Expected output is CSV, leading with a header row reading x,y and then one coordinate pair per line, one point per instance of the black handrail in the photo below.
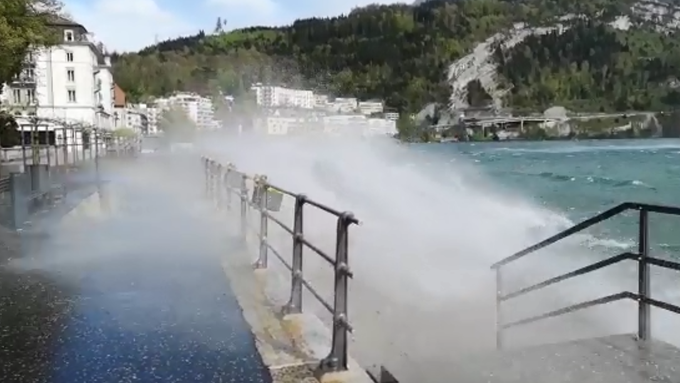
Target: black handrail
x,y
222,181
641,256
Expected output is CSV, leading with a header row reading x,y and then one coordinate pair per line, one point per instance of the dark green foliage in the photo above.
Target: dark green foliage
x,y
592,66
9,134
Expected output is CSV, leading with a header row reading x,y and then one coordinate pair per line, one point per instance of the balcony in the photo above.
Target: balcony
x,y
24,80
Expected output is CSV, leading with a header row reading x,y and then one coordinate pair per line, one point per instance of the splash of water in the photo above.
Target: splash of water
x,y
423,292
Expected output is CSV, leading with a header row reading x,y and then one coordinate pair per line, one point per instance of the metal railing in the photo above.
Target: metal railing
x,y
642,257
223,182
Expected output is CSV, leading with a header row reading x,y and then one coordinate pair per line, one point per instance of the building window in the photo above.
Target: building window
x,y
69,56
71,95
68,35
71,75
30,96
17,95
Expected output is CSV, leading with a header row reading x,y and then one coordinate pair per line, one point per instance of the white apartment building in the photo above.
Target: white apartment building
x,y
392,116
199,109
69,83
143,117
268,96
320,101
153,114
370,107
337,125
343,105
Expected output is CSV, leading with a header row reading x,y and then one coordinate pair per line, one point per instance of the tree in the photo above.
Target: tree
x,y
9,132
24,25
176,125
124,133
406,128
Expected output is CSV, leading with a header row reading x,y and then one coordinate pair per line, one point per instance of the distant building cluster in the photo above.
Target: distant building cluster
x,y
281,124
199,109
269,96
295,111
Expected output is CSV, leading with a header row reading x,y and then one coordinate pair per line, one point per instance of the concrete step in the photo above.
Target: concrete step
x,y
615,359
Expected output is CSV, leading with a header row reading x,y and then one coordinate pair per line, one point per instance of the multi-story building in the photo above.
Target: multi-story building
x,y
153,114
343,105
370,107
268,96
392,116
199,109
68,83
320,101
357,125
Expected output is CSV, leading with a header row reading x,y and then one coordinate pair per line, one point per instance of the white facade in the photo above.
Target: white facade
x,y
199,109
70,83
320,101
345,125
370,107
133,119
153,114
274,96
392,116
343,105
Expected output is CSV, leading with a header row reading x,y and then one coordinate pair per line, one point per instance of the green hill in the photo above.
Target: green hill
x,y
401,54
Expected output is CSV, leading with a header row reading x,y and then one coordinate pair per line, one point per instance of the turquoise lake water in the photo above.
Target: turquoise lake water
x,y
582,178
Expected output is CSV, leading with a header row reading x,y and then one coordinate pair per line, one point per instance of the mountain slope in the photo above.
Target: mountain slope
x,y
398,53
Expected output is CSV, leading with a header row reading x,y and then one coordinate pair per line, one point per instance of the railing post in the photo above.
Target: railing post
x,y
206,172
211,179
499,308
644,287
261,190
218,185
294,305
227,185
337,358
243,193
19,199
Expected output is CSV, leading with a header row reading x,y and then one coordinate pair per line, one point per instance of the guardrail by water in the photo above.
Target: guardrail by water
x,y
642,257
223,183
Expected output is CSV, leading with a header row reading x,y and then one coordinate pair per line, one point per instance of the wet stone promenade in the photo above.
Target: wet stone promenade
x,y
137,295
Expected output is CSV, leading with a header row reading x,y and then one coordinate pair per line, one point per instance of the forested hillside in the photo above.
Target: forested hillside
x,y
594,67
401,53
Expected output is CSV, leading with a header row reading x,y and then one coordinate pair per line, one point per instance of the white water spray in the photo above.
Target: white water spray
x,y
423,293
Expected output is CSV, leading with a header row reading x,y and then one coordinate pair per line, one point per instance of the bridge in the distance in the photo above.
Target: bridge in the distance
x,y
161,271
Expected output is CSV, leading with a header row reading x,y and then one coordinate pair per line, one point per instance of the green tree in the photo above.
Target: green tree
x,y
124,133
9,133
24,25
176,125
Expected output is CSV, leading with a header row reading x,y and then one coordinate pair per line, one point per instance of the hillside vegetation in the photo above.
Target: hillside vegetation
x,y
594,67
401,54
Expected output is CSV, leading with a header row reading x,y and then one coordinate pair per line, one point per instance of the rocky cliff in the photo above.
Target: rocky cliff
x,y
480,65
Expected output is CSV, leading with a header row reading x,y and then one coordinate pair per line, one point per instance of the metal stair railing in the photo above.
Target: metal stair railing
x,y
223,182
644,260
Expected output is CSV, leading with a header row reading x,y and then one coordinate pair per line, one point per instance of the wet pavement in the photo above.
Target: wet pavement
x,y
136,297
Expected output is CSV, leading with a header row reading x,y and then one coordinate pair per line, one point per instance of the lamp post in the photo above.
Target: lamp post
x,y
64,140
57,140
